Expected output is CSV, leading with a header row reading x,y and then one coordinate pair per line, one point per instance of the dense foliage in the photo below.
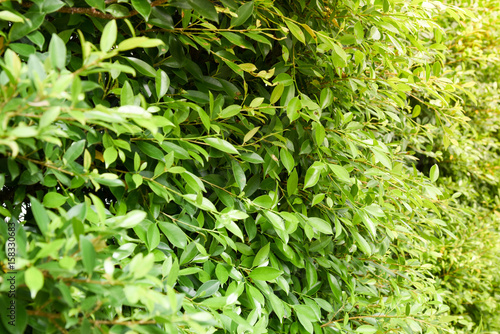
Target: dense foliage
x,y
249,166
468,155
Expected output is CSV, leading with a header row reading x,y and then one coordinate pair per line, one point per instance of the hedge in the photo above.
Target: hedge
x,y
248,167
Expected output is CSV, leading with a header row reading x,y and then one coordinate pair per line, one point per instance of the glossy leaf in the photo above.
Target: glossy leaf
x,y
221,145
265,273
57,52
34,280
205,8
244,12
109,35
173,233
143,7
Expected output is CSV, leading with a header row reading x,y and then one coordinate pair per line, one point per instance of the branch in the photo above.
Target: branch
x,y
377,316
96,13
53,316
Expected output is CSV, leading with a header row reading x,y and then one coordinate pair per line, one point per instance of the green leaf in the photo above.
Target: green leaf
x,y
307,312
359,31
261,256
230,111
192,180
130,220
162,83
207,289
319,133
239,175
116,10
21,29
99,208
150,150
296,31
234,228
434,174
54,200
293,109
205,204
237,215
139,42
326,98
221,145
57,52
276,94
214,303
141,265
382,157
335,288
436,69
277,305
142,66
275,220
244,12
283,78
317,199
108,37
137,178
10,16
23,131
252,157
99,4
416,111
153,237
264,201
238,40
375,210
221,273
265,273
88,255
312,177
340,52
304,321
370,225
23,49
250,134
204,8
401,87
179,152
33,278
74,151
366,329
110,154
361,242
41,217
320,225
340,172
292,183
142,7
287,160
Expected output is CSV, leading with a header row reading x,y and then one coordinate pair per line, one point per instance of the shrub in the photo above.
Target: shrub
x,y
220,166
469,254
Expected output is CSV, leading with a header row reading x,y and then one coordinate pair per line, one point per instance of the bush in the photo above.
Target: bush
x,y
468,155
223,166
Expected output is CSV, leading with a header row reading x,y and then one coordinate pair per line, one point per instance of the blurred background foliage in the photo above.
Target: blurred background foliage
x,y
468,158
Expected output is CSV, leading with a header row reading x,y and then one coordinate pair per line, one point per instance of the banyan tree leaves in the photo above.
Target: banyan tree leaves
x,y
221,166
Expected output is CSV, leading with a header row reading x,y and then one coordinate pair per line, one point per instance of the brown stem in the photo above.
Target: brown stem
x,y
96,13
41,163
53,316
376,316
